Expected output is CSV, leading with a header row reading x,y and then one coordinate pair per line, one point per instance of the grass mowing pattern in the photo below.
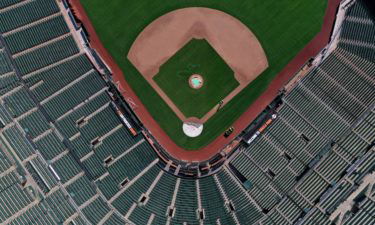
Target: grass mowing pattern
x,y
196,57
283,28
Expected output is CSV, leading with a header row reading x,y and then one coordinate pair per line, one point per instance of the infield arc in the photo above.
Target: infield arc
x,y
232,40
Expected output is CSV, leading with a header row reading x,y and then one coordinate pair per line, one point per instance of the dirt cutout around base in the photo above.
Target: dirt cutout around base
x,y
230,38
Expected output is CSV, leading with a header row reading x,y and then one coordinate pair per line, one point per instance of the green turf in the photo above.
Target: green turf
x,y
196,57
283,27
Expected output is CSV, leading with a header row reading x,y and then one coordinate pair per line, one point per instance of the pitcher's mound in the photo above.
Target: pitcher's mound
x,y
196,81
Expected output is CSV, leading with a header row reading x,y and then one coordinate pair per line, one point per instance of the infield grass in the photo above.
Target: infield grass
x,y
283,27
196,57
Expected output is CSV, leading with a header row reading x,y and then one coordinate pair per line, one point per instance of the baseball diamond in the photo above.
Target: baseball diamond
x,y
157,51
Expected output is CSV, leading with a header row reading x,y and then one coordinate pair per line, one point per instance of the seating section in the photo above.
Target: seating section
x,y
127,165
243,206
68,158
13,200
110,145
8,82
289,210
18,142
7,3
5,118
49,145
39,214
31,12
78,221
127,196
18,102
61,205
47,82
81,190
316,217
113,219
99,124
262,190
96,210
213,202
68,123
358,31
72,95
6,66
41,57
338,64
66,167
37,34
41,174
186,203
34,124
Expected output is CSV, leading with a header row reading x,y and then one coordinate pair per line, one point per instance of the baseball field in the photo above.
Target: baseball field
x,y
282,27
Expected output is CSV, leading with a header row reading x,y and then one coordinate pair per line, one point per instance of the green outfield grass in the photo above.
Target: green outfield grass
x,y
283,27
196,57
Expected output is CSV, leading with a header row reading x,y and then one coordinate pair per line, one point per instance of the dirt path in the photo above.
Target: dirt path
x,y
311,50
230,38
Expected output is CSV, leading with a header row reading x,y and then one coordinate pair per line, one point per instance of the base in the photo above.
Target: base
x,y
192,129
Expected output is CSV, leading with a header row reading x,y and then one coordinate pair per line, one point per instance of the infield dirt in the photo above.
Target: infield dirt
x,y
231,39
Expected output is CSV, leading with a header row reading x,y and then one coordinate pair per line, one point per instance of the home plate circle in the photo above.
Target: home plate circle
x,y
192,128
